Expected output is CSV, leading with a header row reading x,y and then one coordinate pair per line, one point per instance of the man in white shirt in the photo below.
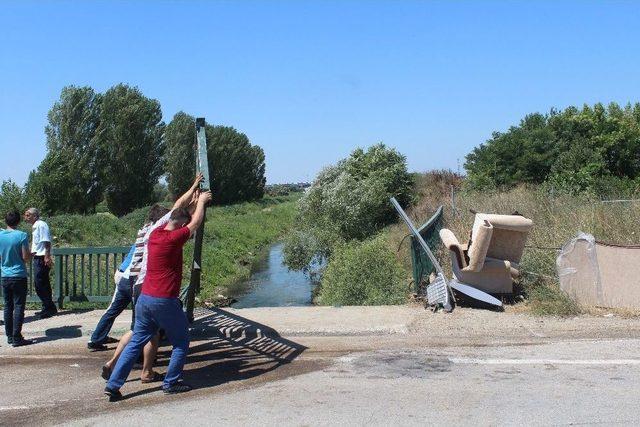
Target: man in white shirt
x,y
42,261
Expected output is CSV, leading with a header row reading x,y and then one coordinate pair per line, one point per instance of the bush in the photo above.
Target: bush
x,y
363,273
349,201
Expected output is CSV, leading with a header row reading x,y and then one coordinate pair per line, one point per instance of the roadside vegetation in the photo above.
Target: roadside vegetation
x,y
554,168
338,225
235,237
557,219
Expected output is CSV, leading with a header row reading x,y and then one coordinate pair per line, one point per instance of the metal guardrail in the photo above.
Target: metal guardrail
x,y
81,274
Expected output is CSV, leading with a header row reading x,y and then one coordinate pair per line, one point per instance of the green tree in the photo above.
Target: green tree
x,y
129,138
180,154
236,167
574,150
48,186
68,178
11,197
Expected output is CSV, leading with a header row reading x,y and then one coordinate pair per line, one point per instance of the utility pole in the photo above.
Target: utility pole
x,y
202,166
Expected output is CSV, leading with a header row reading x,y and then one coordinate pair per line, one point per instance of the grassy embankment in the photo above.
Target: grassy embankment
x,y
235,238
556,220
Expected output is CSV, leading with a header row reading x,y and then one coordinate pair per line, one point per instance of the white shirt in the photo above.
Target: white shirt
x,y
143,264
39,236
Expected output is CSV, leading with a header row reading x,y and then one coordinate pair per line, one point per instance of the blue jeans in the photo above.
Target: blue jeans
x,y
15,296
121,299
152,314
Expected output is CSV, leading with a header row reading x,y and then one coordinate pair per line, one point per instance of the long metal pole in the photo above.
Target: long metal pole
x,y
417,235
203,167
447,301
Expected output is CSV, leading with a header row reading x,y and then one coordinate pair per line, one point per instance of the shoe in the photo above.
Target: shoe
x,y
9,340
47,313
106,373
38,313
110,340
94,346
21,342
177,388
114,395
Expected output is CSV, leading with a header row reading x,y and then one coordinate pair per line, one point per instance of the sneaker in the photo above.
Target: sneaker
x,y
47,314
21,342
94,346
111,340
113,395
177,388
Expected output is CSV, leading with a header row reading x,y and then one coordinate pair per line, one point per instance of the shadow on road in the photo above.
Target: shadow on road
x,y
226,347
60,333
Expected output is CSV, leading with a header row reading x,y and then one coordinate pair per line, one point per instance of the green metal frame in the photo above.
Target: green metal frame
x,y
88,278
422,265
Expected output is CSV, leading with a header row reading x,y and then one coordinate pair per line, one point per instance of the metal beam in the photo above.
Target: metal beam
x,y
202,165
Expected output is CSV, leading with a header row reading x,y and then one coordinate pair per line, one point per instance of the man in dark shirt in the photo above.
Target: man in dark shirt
x,y
158,305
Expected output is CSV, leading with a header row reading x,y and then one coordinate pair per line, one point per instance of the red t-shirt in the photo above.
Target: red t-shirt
x,y
164,262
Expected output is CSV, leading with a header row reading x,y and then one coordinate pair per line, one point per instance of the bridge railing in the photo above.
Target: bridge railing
x,y
81,274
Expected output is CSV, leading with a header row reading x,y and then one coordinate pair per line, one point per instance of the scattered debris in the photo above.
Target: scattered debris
x,y
490,260
600,274
439,292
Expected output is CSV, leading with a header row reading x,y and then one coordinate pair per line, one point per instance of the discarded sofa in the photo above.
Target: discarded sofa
x,y
600,274
490,260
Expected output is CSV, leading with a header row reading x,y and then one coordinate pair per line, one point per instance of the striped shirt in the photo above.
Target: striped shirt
x,y
139,262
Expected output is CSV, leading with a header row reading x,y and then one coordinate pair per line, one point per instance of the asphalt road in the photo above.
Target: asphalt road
x,y
546,375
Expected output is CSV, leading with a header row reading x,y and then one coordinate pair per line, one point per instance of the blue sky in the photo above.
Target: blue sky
x,y
310,81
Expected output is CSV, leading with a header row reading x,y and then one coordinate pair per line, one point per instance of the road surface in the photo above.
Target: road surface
x,y
349,366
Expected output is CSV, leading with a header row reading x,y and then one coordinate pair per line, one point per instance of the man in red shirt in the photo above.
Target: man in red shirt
x,y
158,305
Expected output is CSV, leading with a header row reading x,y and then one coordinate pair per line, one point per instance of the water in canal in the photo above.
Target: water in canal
x,y
273,285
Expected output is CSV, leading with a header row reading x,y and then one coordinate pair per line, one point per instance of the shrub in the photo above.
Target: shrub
x,y
349,201
363,273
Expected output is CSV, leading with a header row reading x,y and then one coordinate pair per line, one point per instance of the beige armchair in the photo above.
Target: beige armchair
x,y
489,261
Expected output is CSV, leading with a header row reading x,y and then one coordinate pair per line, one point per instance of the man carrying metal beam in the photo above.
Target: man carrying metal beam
x,y
158,305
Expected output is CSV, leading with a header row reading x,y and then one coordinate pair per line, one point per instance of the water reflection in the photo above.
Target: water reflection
x,y
273,285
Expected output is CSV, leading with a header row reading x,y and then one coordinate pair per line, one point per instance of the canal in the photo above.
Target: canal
x,y
273,285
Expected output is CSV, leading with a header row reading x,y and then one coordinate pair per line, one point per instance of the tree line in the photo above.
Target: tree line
x,y
114,147
593,149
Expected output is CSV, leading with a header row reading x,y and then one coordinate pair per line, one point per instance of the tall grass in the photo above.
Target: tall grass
x,y
556,220
235,237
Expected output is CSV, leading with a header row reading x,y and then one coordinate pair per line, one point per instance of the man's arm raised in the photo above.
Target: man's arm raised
x,y
198,215
184,200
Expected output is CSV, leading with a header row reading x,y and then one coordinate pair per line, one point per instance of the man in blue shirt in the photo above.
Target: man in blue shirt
x,y
14,252
121,299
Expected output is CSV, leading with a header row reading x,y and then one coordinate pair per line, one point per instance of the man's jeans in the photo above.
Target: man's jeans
x,y
42,284
152,314
121,299
15,296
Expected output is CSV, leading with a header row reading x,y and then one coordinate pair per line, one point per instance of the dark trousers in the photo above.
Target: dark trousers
x,y
42,283
15,296
121,299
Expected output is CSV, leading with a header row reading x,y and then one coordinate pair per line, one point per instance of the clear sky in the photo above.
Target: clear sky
x,y
309,81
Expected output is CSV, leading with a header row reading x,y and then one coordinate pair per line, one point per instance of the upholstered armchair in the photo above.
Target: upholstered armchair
x,y
490,260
